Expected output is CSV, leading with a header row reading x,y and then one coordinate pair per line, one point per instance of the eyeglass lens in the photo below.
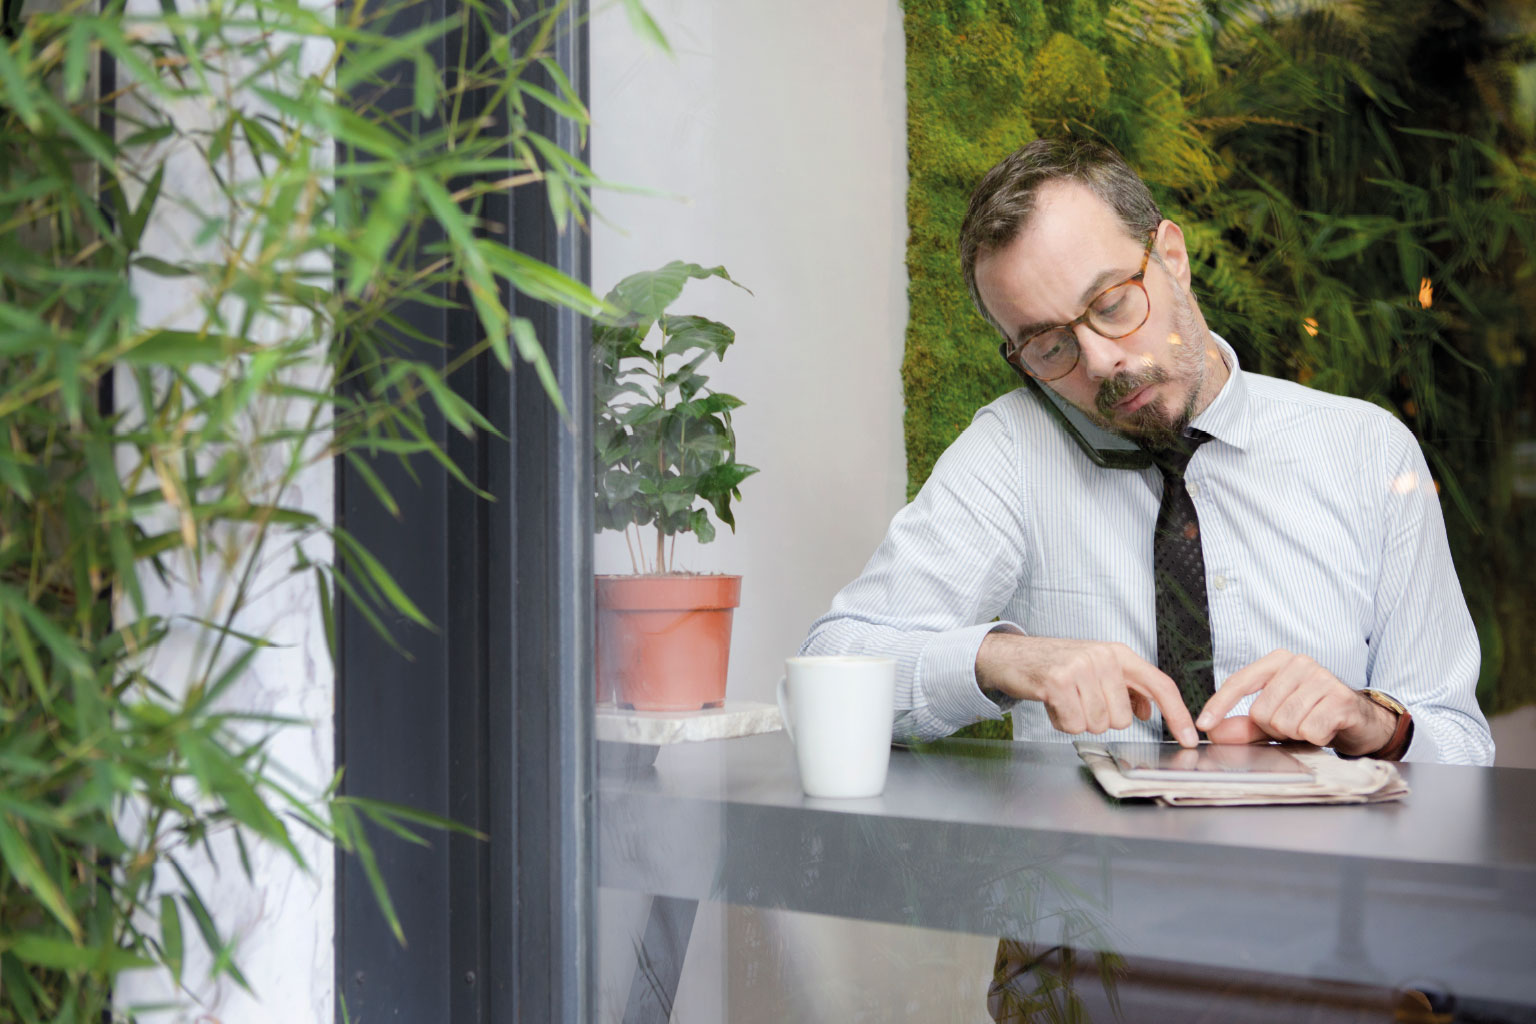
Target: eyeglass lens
x,y
1113,314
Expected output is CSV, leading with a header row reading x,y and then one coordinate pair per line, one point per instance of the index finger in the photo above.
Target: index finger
x,y
1147,679
1250,678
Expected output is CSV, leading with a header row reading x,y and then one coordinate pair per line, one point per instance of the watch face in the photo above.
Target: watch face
x,y
1386,700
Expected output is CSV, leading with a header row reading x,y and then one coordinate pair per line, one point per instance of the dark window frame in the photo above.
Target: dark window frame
x,y
490,719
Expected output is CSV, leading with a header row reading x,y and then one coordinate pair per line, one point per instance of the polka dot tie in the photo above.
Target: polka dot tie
x,y
1178,566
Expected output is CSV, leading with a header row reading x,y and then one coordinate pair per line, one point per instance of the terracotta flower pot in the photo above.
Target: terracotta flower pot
x,y
663,642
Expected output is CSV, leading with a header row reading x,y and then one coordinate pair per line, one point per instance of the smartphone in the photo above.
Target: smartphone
x,y
1209,762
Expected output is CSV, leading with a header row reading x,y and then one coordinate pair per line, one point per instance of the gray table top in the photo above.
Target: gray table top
x,y
1016,839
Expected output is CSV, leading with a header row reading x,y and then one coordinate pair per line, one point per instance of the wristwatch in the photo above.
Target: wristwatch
x,y
1397,746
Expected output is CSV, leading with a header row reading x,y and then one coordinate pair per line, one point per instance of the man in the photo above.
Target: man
x,y
1303,586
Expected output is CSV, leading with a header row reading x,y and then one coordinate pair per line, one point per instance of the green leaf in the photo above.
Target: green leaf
x,y
687,333
673,503
360,464
64,650
33,668
133,224
160,268
427,76
166,347
717,402
225,779
18,91
22,989
170,936
23,863
359,557
77,55
382,227
539,280
703,529
647,294
568,108
645,26
46,951
354,831
223,953
719,484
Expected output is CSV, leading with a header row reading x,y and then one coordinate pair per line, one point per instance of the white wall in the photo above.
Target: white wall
x,y
781,124
281,920
781,129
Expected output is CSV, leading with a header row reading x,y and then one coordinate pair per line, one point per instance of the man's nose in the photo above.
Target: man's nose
x,y
1101,357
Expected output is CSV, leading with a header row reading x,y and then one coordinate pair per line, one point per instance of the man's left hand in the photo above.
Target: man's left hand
x,y
1297,699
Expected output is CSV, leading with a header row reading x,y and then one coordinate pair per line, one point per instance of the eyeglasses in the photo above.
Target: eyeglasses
x,y
1051,352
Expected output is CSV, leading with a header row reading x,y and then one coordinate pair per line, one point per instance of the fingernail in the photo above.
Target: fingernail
x,y
1189,738
1203,722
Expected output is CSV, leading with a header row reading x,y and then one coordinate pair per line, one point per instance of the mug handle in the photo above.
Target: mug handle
x,y
784,708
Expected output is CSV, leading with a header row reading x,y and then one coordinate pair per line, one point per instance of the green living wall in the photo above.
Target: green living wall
x,y
1358,184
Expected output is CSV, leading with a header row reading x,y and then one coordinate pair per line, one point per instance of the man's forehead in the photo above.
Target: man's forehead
x,y
1073,244
1070,213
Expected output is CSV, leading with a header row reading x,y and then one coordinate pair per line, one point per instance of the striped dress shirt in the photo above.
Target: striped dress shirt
x,y
1322,535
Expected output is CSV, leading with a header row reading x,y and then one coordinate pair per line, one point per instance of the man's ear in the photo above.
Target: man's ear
x,y
1174,252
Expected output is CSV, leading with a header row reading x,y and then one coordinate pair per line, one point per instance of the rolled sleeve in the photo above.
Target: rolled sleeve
x,y
947,675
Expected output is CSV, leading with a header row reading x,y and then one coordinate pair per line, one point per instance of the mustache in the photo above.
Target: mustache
x,y
1114,390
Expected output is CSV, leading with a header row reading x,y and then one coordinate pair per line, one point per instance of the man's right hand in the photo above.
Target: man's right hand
x,y
1086,686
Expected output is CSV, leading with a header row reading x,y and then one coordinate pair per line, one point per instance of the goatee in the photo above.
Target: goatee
x,y
1147,426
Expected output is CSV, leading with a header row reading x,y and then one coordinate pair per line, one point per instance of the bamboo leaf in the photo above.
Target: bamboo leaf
x,y
645,26
359,557
170,936
364,851
22,862
46,951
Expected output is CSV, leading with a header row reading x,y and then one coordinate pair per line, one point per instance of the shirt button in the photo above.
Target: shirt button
x,y
1220,582
1193,488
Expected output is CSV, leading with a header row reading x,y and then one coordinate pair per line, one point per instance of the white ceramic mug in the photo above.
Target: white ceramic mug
x,y
838,712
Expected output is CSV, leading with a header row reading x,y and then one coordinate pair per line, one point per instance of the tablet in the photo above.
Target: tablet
x,y
1209,762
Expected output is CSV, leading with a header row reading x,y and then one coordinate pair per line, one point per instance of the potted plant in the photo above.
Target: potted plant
x,y
665,455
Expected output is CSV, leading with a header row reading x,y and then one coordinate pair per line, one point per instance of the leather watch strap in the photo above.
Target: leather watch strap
x,y
1397,746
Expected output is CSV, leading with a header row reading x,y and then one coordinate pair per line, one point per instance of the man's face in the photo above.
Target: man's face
x,y
1147,385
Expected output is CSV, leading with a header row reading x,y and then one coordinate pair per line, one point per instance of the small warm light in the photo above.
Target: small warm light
x,y
1146,360
1405,483
1310,326
1174,339
1426,293
1437,486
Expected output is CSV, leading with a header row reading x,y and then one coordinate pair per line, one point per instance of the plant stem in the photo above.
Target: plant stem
x,y
661,549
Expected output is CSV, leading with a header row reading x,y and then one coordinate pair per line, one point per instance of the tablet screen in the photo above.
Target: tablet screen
x,y
1209,762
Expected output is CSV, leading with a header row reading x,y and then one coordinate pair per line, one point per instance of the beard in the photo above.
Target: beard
x,y
1150,426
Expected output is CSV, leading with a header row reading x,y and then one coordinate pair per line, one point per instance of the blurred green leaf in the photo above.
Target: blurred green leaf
x,y
22,862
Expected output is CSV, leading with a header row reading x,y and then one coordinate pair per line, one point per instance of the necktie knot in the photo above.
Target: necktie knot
x,y
1174,459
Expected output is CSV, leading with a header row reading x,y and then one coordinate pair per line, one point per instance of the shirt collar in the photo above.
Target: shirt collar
x,y
1226,418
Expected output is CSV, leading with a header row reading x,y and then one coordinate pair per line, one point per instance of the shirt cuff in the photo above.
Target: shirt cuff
x,y
946,675
1423,746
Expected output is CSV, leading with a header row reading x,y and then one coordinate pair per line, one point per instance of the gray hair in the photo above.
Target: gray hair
x,y
1005,199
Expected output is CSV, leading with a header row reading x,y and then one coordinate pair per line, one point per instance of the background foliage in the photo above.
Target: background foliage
x,y
263,169
1357,181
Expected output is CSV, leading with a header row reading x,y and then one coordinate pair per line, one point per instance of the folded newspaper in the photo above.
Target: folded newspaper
x,y
1335,781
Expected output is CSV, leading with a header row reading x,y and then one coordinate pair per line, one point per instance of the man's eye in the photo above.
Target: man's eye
x,y
1051,345
1110,305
